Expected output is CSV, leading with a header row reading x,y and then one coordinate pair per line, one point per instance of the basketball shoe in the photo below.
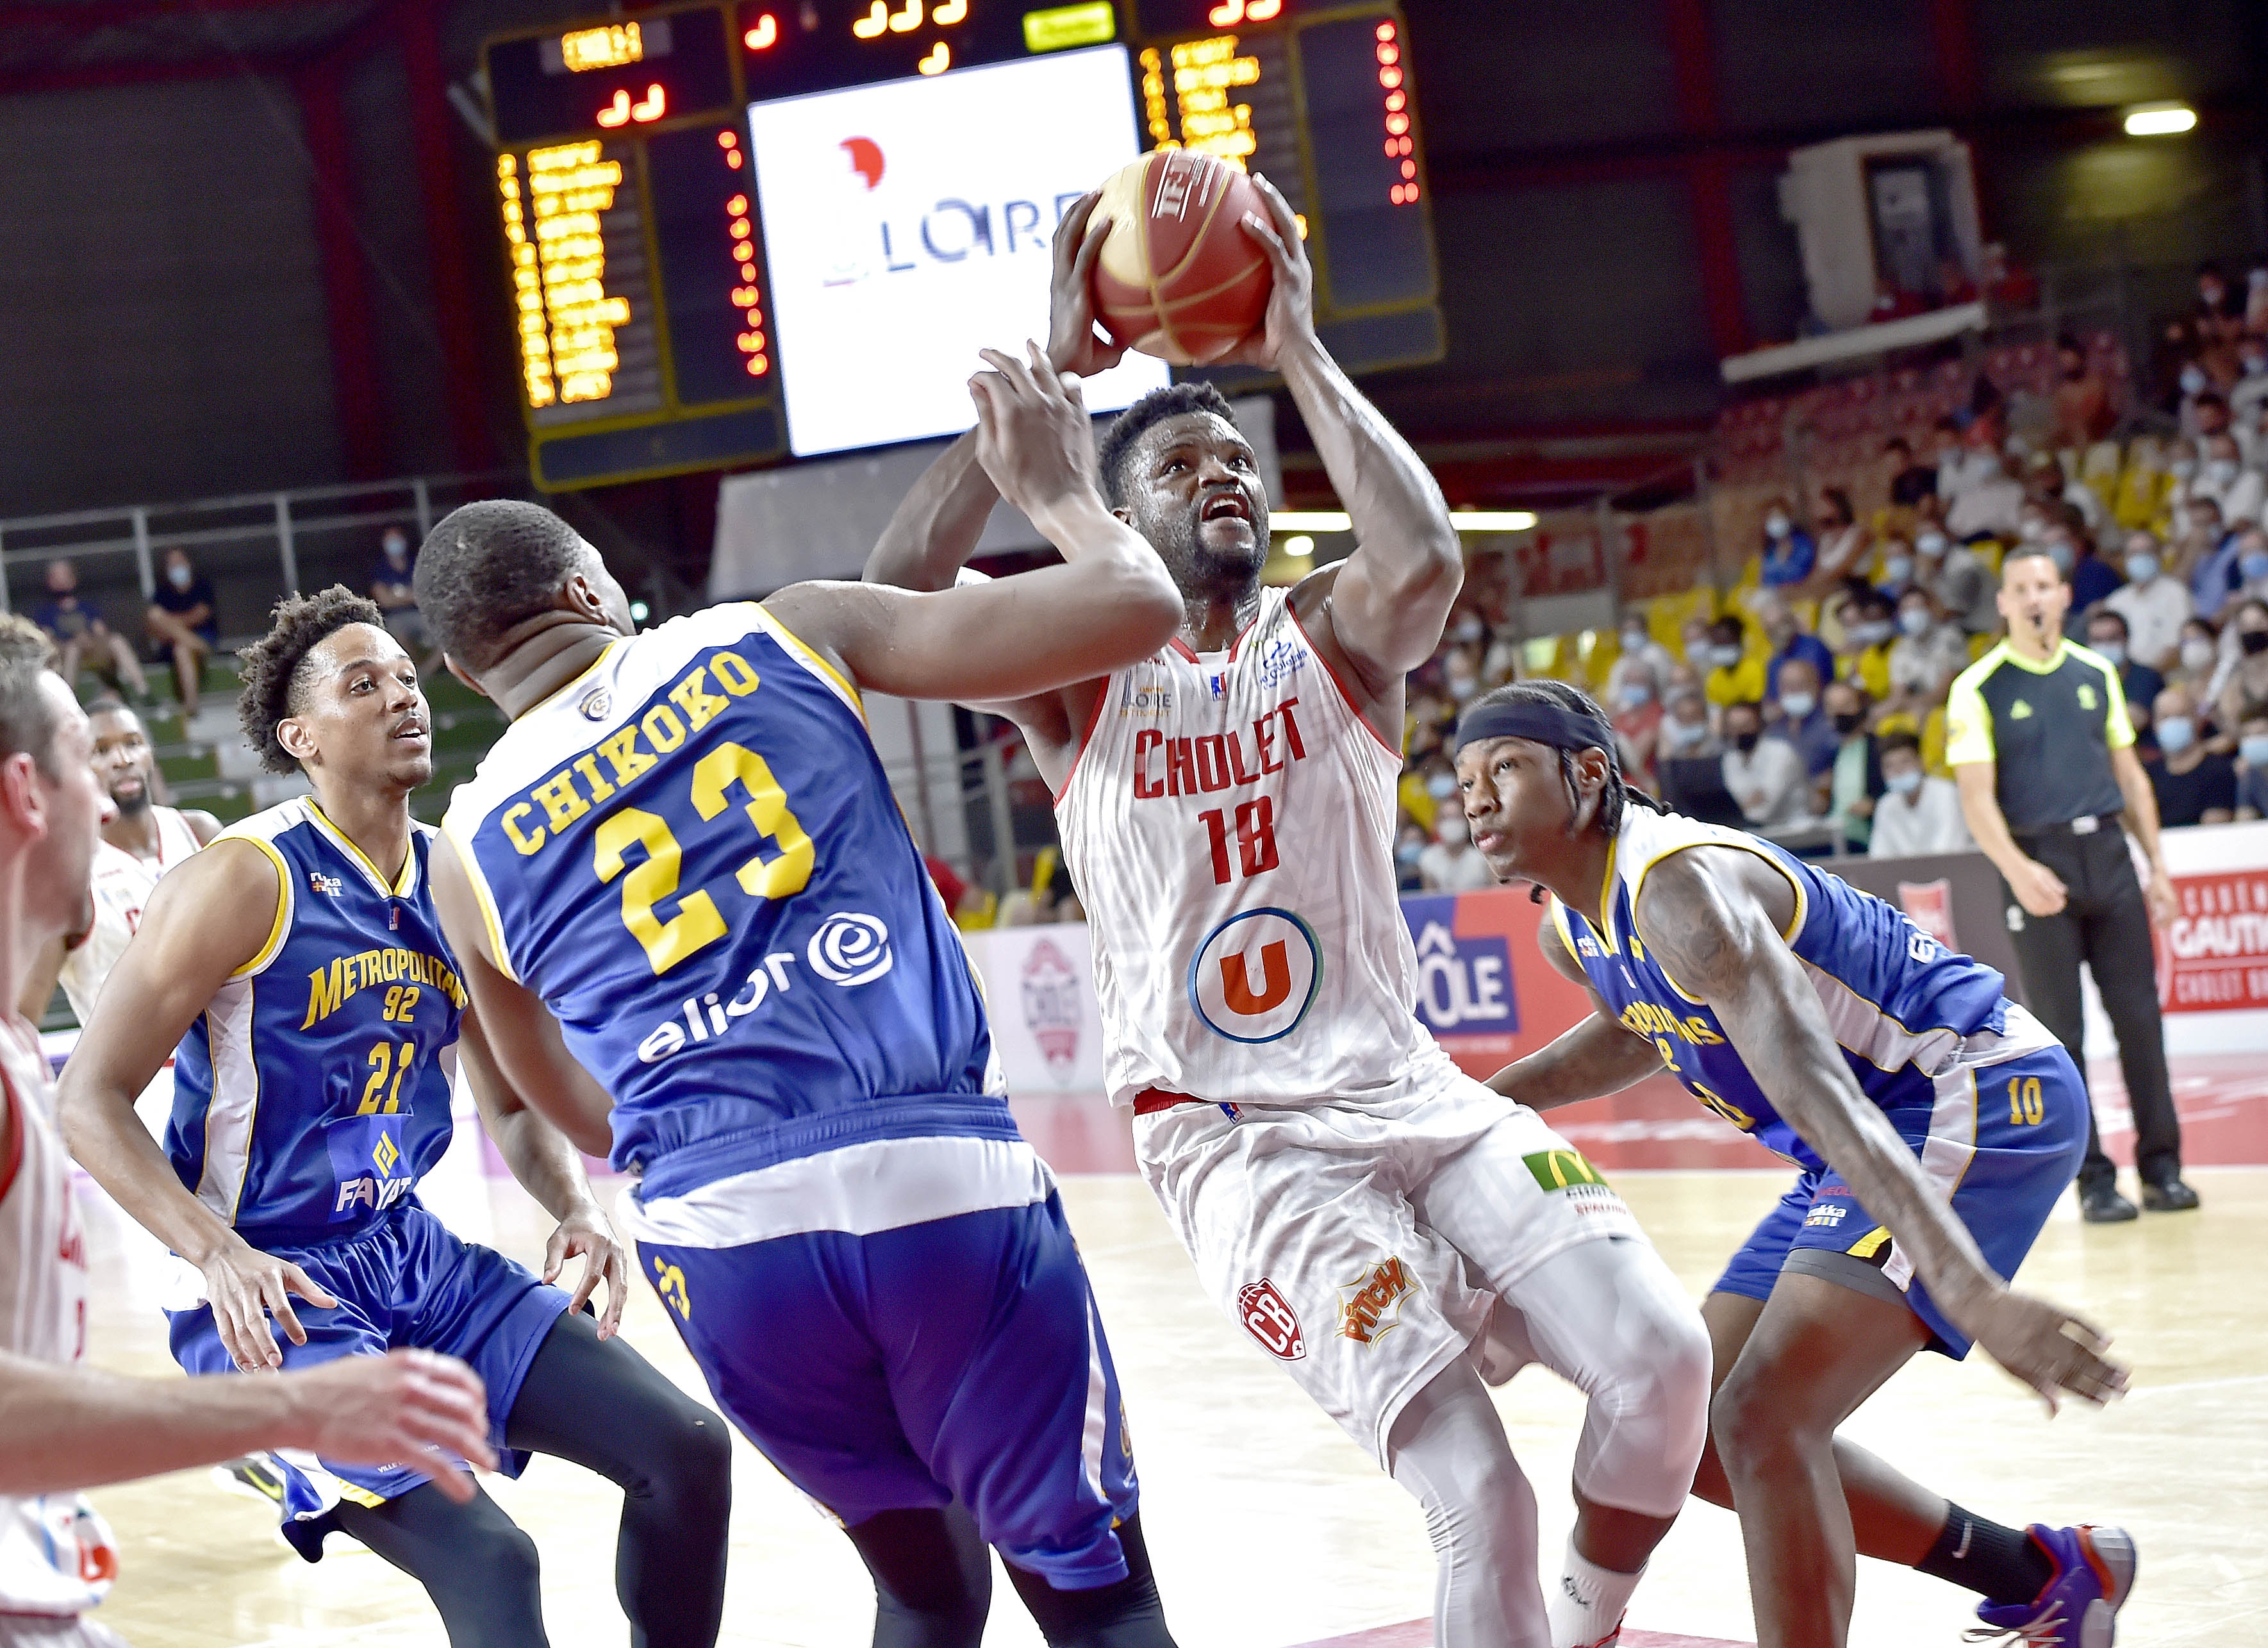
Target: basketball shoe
x,y
2077,1608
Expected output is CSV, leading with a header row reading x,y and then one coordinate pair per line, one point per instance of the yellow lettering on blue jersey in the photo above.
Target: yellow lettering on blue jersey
x,y
558,796
663,728
330,988
521,842
587,764
630,761
699,704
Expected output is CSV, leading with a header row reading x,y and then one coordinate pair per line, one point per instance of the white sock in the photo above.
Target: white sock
x,y
1587,1606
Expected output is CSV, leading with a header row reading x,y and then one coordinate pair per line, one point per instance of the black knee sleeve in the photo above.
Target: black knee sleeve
x,y
1124,1614
932,1577
477,1564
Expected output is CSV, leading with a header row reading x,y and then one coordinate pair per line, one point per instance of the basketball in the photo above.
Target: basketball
x,y
1178,277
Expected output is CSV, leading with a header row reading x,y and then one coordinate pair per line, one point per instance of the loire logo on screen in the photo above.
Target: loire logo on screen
x,y
1464,985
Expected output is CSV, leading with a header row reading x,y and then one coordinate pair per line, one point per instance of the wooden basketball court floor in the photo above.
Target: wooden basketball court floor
x,y
1269,1527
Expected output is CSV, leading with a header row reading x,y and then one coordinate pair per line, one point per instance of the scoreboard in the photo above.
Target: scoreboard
x,y
733,230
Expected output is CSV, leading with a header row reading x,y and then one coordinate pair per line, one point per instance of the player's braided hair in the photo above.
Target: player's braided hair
x,y
1618,795
273,666
1127,429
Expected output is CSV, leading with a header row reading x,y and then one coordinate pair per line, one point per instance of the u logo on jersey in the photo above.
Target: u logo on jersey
x,y
1255,975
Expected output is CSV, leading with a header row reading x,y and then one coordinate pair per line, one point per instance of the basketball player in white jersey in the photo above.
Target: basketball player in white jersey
x,y
1379,1222
67,1427
140,842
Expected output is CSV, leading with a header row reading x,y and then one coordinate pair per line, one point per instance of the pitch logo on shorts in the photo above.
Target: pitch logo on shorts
x,y
1370,1306
1255,975
1268,1316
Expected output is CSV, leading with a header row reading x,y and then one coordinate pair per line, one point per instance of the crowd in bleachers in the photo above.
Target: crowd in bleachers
x,y
1808,700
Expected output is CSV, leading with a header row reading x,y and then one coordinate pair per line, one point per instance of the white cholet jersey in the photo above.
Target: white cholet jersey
x,y
56,1555
1229,821
122,883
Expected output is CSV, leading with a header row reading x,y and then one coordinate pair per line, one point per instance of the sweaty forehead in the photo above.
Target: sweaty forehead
x,y
1205,431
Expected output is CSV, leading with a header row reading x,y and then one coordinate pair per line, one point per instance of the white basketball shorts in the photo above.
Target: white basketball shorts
x,y
1302,1223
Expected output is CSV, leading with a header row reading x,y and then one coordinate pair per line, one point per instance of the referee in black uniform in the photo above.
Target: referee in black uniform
x,y
2036,732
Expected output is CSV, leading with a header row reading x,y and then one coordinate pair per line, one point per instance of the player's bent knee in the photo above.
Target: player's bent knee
x,y
1753,1427
696,1461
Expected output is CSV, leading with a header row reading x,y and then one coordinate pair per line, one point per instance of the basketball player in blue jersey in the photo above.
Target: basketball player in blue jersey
x,y
299,965
699,934
1935,1123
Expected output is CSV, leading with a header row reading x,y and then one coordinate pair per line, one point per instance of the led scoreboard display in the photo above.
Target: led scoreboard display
x,y
654,169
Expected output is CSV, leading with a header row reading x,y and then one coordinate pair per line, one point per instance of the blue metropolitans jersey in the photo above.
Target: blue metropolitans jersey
x,y
309,1096
692,854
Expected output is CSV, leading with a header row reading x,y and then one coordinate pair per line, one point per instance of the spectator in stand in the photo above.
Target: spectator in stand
x,y
1684,734
1696,645
2251,566
1788,550
2244,694
2092,579
183,625
1789,640
2221,476
2252,768
1802,719
2251,384
1957,576
1733,674
1765,775
1452,864
2209,551
1853,777
2143,487
2251,432
1910,482
2153,604
1639,650
1637,713
2193,785
1841,542
1928,652
2207,416
1897,567
2108,635
390,587
1985,505
2082,399
1952,455
1871,630
81,637
1428,790
1409,847
2220,312
1916,814
2199,661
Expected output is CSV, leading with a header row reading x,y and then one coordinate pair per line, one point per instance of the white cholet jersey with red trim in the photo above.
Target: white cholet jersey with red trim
x,y
122,882
1229,821
56,1555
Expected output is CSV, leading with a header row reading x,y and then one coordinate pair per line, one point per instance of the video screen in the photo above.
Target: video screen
x,y
907,225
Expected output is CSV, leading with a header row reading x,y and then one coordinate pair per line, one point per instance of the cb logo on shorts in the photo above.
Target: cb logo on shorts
x,y
1255,975
1269,1319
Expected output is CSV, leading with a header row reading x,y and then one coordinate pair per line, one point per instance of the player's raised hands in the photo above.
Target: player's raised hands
x,y
404,1407
585,1231
244,1286
1075,343
1033,435
2047,1347
1292,297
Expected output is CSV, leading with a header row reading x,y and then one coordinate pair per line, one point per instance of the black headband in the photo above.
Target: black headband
x,y
1539,722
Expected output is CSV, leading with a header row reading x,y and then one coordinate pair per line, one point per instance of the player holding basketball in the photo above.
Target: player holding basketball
x,y
685,847
140,843
299,963
1226,805
1936,1123
67,1426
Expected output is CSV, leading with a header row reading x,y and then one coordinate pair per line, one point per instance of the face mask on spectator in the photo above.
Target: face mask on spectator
x,y
1745,741
2140,569
2255,364
1441,786
396,546
1914,620
2253,641
1873,633
1930,544
1469,629
1897,570
1987,466
2031,528
2113,652
1775,525
2221,471
2197,654
1686,733
2061,554
2192,381
1634,640
178,576
1797,705
1453,830
2176,733
1723,655
1849,721
1903,783
2253,564
1636,694
1409,853
2254,748
2181,469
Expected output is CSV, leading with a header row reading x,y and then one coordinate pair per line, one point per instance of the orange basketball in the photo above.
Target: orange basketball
x,y
1178,277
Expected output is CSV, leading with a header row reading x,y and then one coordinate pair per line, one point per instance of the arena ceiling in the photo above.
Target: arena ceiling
x,y
65,43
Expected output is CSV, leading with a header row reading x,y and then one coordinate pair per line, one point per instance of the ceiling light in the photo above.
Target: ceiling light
x,y
1492,519
1299,547
2161,120
1308,521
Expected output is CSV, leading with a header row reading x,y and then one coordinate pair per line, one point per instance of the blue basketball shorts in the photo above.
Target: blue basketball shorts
x,y
2006,1162
961,1359
404,1282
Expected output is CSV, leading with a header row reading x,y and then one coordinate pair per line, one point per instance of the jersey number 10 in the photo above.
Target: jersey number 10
x,y
697,924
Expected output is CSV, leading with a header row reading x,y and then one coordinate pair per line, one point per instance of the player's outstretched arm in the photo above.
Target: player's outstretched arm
x,y
1110,604
516,1034
1718,932
1599,1056
206,921
1395,592
549,1169
71,1427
